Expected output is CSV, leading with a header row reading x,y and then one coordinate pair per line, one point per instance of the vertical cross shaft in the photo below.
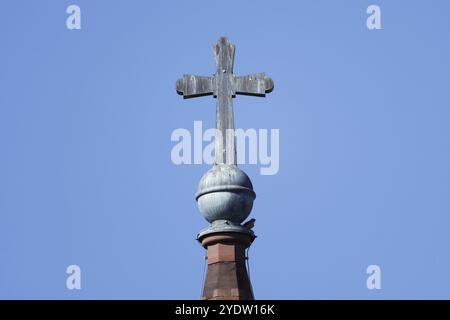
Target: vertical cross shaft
x,y
225,142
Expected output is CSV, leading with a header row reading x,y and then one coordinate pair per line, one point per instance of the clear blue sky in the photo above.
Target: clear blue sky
x,y
86,117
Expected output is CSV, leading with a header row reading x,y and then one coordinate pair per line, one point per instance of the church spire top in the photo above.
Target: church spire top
x,y
225,194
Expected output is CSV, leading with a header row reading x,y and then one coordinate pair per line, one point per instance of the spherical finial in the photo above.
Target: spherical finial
x,y
225,193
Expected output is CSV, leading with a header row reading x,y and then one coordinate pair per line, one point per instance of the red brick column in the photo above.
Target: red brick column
x,y
227,277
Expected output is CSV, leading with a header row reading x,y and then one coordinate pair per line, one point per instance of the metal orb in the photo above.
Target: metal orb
x,y
225,193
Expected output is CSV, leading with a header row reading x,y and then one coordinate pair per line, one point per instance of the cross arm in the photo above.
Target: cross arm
x,y
255,85
191,86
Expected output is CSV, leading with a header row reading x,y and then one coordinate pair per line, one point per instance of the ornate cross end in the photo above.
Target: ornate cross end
x,y
253,85
195,86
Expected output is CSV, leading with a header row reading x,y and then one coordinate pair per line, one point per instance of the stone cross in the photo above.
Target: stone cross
x,y
224,86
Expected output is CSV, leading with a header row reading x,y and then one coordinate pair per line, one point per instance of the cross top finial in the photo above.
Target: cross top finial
x,y
224,86
224,55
